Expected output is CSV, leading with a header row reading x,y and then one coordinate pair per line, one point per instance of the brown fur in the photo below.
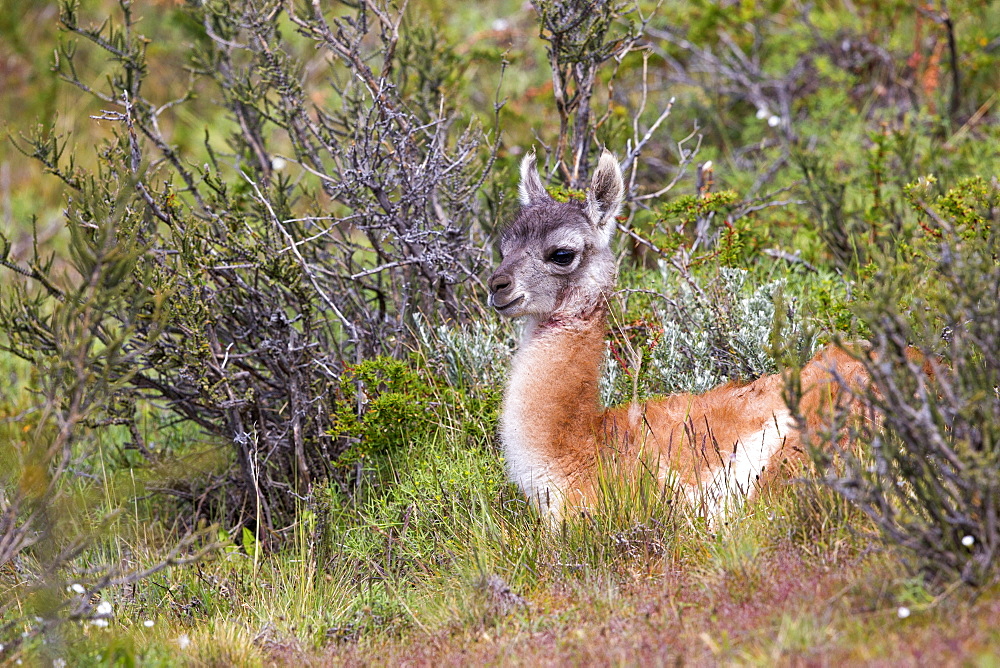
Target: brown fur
x,y
556,272
692,435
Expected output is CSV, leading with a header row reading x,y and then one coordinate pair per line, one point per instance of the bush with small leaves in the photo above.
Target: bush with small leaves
x,y
333,210
929,479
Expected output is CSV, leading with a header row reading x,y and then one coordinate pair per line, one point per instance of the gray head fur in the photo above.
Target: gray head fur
x,y
557,260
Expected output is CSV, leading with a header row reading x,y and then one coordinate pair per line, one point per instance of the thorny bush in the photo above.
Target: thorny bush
x,y
341,204
84,337
929,480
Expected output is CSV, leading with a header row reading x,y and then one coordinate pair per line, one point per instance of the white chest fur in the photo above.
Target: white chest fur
x,y
529,465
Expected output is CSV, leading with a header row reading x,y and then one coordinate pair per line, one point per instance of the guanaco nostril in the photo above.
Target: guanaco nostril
x,y
498,283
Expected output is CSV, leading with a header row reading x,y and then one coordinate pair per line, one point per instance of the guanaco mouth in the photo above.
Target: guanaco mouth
x,y
508,304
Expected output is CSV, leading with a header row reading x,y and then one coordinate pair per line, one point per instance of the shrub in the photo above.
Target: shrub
x,y
86,339
929,479
706,329
383,404
323,214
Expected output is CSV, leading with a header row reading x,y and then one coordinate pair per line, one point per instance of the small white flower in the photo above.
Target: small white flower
x,y
762,113
903,612
100,623
278,164
500,24
104,608
148,623
968,541
77,588
774,121
58,663
184,641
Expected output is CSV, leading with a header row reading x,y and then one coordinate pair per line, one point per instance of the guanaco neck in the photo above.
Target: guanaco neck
x,y
552,406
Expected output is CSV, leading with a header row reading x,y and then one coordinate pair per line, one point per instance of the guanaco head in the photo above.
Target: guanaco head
x,y
556,256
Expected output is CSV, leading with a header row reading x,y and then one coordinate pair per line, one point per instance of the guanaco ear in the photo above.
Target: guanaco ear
x,y
531,191
604,199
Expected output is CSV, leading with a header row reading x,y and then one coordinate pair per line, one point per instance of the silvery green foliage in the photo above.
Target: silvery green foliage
x,y
715,329
476,354
479,354
612,381
715,332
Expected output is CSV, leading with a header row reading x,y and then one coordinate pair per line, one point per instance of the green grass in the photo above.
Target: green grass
x,y
400,573
429,555
422,552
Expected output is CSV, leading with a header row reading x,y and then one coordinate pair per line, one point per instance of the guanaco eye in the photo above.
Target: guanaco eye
x,y
562,256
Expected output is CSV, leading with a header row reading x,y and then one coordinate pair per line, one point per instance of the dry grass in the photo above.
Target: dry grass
x,y
798,612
